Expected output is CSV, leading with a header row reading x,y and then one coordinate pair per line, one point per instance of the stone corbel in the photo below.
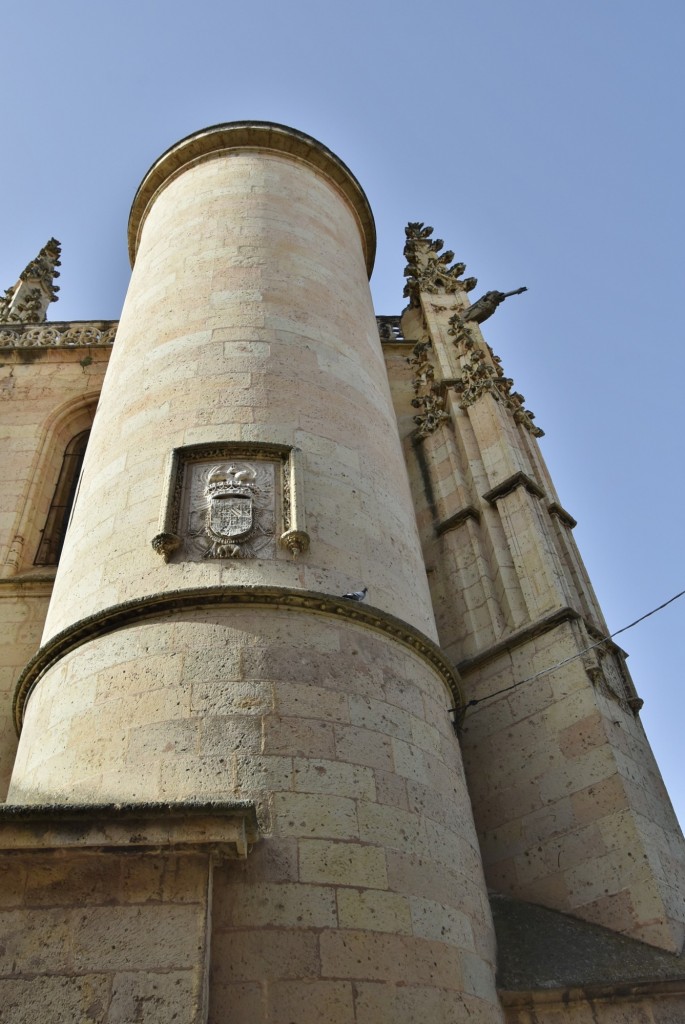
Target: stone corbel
x,y
295,538
165,540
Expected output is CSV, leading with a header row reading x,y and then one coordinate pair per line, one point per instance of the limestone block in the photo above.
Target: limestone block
x,y
339,863
155,997
60,999
273,905
252,955
372,910
308,1002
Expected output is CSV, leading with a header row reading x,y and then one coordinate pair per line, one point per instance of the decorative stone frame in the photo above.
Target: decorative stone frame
x,y
293,537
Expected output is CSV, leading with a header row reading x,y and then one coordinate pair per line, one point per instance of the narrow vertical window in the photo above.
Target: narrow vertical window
x,y
57,520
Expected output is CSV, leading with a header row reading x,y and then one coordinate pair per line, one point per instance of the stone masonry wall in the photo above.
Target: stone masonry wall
x,y
367,887
102,938
47,396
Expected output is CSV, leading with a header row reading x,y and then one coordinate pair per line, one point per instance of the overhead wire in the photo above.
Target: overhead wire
x,y
574,657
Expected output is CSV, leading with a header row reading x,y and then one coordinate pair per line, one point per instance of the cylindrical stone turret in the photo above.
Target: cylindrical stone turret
x,y
244,471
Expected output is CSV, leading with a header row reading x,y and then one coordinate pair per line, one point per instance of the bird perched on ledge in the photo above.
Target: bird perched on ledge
x,y
356,595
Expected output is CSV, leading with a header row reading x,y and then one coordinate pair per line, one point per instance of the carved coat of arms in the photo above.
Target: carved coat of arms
x,y
232,514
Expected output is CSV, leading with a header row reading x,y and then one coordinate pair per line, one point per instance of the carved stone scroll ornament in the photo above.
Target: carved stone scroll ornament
x,y
464,340
480,375
429,270
432,414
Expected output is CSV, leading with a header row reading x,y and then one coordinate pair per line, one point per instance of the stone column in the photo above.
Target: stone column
x,y
244,472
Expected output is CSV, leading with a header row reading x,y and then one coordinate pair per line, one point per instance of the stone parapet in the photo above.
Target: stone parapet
x,y
59,334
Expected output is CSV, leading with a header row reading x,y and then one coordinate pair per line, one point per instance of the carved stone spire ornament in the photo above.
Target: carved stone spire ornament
x,y
482,372
428,269
428,397
27,301
432,271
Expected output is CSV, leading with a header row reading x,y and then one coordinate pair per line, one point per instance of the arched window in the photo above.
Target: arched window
x,y
57,520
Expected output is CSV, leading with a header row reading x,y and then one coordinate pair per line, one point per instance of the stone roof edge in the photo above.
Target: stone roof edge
x,y
263,135
528,936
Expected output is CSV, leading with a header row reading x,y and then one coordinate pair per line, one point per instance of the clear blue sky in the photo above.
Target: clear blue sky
x,y
544,141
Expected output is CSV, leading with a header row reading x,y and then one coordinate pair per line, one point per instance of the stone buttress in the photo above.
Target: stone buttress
x,y
568,801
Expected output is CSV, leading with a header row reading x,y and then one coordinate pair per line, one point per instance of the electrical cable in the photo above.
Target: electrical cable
x,y
574,657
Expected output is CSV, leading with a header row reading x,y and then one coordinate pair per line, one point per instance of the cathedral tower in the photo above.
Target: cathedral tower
x,y
300,560
243,473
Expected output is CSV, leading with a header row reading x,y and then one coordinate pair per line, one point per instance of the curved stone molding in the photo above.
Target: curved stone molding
x,y
262,135
274,598
61,334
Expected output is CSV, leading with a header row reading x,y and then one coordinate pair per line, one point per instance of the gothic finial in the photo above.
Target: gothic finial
x,y
427,268
27,301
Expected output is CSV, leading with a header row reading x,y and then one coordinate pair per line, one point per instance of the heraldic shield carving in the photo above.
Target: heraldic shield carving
x,y
230,515
230,510
228,501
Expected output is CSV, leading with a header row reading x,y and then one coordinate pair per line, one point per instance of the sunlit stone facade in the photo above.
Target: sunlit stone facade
x,y
274,572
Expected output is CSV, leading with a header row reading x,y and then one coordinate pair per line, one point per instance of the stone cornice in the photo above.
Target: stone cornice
x,y
255,135
79,333
460,517
228,827
555,509
275,598
521,636
511,484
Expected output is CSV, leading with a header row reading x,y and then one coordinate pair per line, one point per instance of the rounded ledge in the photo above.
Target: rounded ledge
x,y
251,135
273,598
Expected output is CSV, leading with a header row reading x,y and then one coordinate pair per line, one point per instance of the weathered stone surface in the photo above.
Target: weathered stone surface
x,y
247,401
235,670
